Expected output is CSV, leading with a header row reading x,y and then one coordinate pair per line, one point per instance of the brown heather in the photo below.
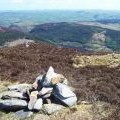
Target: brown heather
x,y
92,82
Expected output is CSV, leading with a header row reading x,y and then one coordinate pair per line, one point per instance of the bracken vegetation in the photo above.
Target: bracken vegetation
x,y
92,83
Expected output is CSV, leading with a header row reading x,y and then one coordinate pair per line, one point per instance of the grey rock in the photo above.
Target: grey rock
x,y
48,101
41,117
39,78
13,104
46,95
32,100
50,75
38,104
51,108
22,114
45,92
64,94
13,94
20,87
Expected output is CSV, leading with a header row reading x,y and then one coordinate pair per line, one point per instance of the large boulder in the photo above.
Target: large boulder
x,y
13,94
13,104
20,87
64,95
51,108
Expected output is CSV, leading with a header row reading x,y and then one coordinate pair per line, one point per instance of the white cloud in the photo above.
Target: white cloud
x,y
60,4
16,1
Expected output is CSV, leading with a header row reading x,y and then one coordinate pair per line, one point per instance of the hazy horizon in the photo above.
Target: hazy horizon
x,y
13,5
58,10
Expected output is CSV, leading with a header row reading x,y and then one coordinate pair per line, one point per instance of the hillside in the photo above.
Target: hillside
x,y
79,35
86,36
92,82
87,30
10,34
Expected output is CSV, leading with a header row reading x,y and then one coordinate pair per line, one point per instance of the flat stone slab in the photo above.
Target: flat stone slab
x,y
13,94
20,87
12,104
51,108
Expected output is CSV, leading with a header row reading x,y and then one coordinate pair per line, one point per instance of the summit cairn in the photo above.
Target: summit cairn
x,y
49,93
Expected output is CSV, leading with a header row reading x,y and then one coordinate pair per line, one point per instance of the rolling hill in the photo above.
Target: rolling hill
x,y
8,35
81,36
86,30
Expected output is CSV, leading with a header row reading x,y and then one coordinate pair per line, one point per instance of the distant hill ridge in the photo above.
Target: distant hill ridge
x,y
78,35
83,36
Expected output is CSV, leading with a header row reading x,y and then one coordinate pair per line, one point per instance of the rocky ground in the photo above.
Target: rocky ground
x,y
91,82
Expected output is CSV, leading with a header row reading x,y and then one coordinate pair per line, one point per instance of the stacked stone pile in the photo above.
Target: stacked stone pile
x,y
18,97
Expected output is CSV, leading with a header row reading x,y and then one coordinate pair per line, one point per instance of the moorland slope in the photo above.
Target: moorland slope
x,y
92,82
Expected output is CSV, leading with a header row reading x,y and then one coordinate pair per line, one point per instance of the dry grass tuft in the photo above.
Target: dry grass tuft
x,y
109,60
96,111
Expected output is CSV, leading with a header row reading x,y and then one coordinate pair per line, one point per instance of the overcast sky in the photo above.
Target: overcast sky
x,y
59,4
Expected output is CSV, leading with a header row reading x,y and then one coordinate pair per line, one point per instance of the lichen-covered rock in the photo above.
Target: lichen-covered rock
x,y
59,78
13,104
